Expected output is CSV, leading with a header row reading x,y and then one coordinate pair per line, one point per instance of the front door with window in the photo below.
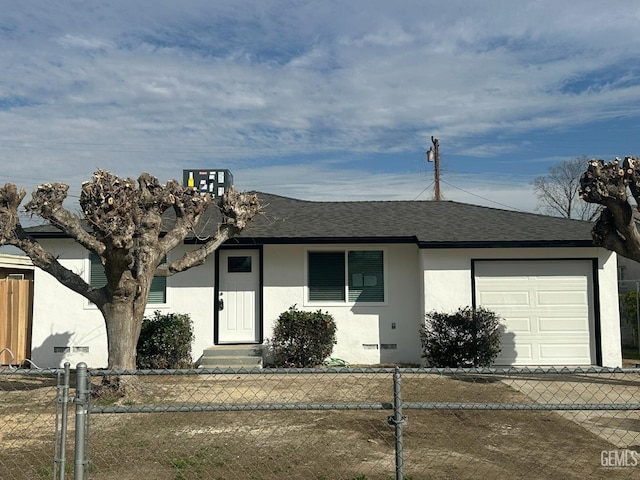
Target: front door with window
x,y
238,299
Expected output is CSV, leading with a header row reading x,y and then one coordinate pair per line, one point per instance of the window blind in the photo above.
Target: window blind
x,y
326,276
366,276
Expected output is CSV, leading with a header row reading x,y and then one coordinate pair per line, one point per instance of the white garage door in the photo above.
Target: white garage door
x,y
547,308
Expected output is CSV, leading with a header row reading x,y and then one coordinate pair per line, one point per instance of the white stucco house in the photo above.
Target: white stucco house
x,y
377,267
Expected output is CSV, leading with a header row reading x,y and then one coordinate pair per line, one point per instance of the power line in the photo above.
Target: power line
x,y
425,189
483,198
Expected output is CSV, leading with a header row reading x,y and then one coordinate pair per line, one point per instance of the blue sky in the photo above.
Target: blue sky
x,y
319,100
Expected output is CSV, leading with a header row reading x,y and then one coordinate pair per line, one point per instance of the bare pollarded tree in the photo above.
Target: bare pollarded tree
x,y
123,226
558,191
609,184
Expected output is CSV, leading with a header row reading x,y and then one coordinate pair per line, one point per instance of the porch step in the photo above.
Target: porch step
x,y
231,356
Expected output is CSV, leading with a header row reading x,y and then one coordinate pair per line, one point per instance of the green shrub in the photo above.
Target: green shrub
x,y
466,338
302,339
629,311
165,341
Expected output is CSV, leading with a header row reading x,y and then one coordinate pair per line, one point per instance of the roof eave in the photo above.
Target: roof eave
x,y
508,244
310,240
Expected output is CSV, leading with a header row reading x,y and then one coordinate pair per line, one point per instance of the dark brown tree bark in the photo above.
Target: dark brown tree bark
x,y
608,184
123,226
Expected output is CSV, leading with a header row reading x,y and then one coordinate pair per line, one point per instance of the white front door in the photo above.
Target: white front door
x,y
239,296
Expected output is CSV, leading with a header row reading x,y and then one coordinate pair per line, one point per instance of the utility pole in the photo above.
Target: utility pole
x,y
433,155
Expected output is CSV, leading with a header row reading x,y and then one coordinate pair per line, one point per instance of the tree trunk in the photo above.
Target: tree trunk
x,y
123,329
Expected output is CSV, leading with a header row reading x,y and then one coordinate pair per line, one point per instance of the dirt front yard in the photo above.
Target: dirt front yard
x,y
348,439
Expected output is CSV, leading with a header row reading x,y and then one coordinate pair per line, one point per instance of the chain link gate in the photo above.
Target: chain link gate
x,y
234,405
81,424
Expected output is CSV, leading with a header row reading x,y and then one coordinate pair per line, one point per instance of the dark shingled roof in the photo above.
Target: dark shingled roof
x,y
427,223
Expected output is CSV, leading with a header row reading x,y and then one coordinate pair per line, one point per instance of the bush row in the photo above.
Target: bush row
x,y
466,338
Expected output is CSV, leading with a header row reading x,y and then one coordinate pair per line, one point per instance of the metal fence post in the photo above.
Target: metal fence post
x,y
81,402
60,456
397,419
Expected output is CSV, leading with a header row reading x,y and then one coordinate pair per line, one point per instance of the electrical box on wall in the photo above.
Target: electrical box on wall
x,y
213,181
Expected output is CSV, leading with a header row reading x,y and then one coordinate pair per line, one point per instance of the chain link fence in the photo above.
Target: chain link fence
x,y
29,419
347,424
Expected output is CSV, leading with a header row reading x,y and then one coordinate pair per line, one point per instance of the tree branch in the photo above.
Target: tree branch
x,y
558,190
10,199
195,257
188,206
47,262
237,208
606,184
12,233
46,202
111,206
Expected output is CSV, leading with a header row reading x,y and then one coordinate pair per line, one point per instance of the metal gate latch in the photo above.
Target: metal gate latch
x,y
391,420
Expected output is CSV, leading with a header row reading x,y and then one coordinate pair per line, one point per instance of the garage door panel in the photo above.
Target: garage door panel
x,y
559,278
564,353
562,297
519,324
546,307
506,298
563,324
563,269
510,352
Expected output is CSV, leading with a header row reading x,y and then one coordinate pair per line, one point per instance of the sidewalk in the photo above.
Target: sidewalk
x,y
619,427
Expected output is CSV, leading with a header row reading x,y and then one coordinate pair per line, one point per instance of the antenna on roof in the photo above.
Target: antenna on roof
x,y
433,155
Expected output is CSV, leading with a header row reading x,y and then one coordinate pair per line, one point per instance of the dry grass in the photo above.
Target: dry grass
x,y
320,445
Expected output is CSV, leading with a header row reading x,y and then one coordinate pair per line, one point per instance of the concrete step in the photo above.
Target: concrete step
x,y
231,356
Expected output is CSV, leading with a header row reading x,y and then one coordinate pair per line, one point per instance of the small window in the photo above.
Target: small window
x,y
239,264
97,278
15,276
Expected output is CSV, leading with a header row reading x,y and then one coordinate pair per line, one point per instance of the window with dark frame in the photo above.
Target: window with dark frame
x,y
353,275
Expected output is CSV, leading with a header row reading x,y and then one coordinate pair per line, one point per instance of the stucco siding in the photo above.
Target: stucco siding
x,y
447,283
609,309
63,319
416,281
367,333
192,292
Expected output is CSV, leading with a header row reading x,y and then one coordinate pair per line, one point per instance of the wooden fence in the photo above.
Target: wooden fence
x,y
16,306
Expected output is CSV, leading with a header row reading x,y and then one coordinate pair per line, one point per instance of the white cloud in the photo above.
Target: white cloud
x,y
266,87
88,43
